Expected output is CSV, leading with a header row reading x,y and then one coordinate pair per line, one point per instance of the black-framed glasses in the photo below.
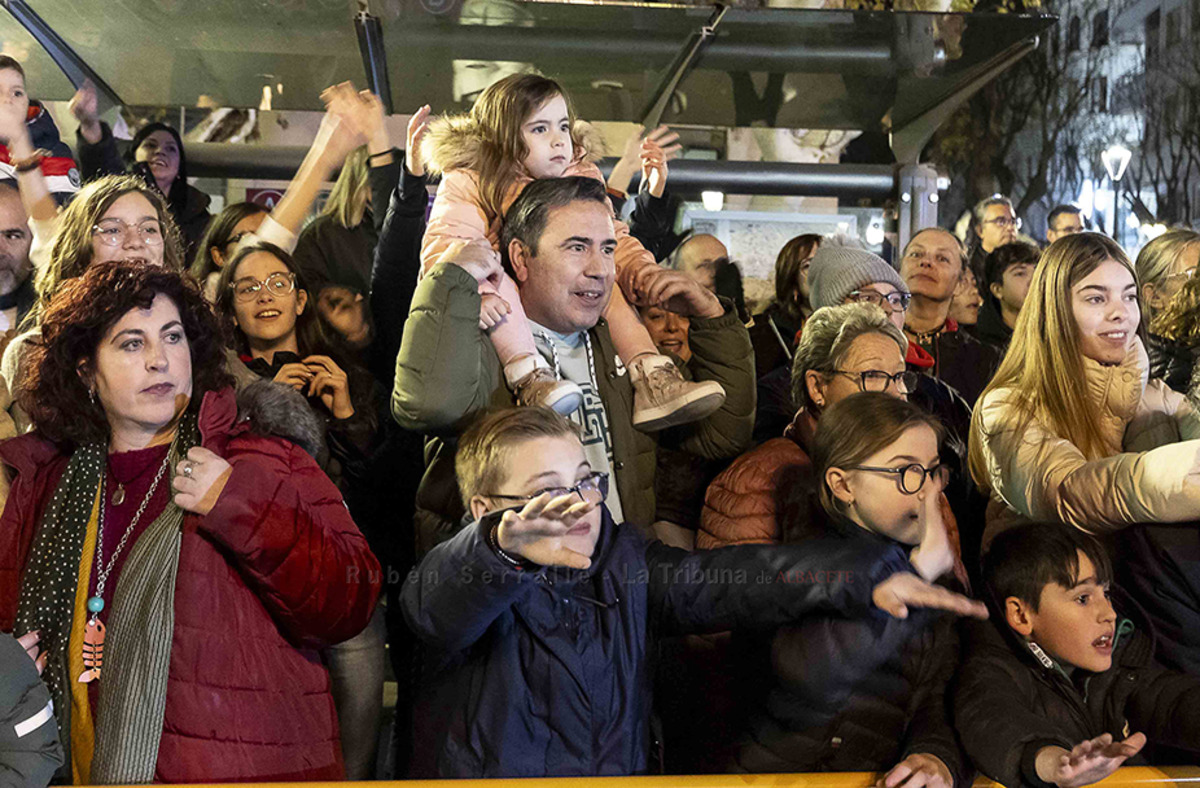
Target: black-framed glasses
x,y
277,284
592,488
112,232
1004,222
910,477
878,380
892,302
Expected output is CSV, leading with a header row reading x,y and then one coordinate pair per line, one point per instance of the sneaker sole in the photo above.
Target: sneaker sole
x,y
566,403
695,406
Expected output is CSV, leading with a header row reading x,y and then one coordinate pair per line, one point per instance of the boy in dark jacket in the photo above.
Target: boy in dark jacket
x,y
1064,687
541,620
29,748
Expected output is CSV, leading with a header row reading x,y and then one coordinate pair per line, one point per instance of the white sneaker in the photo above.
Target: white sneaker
x,y
662,398
540,389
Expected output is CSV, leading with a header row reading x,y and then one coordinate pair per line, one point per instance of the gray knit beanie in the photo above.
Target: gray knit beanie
x,y
837,271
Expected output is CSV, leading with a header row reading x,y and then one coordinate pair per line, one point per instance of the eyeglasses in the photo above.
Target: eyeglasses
x,y
278,285
896,302
1004,222
878,380
592,488
234,240
113,232
911,477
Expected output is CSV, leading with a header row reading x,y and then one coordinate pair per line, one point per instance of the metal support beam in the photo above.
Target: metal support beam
x,y
684,62
918,203
66,58
374,55
909,140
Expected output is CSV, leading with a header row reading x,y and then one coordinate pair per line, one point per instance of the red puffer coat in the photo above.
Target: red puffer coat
x,y
274,572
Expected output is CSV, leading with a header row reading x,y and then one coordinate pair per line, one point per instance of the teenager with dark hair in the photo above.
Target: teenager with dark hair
x,y
1064,686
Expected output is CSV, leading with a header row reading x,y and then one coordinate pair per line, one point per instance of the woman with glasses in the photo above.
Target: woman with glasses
x,y
1073,430
175,548
279,336
1165,267
860,693
542,617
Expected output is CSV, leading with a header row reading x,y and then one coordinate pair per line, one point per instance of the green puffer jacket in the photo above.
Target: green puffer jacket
x,y
447,372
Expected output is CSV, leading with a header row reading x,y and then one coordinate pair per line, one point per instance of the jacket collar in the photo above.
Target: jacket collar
x,y
1117,391
802,429
918,356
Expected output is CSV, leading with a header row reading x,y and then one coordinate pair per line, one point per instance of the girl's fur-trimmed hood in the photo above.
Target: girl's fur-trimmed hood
x,y
453,142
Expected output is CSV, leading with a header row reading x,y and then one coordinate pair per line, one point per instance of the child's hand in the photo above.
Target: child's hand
x,y
85,106
477,258
536,532
918,769
933,557
903,590
658,147
344,125
418,124
492,310
1089,762
29,641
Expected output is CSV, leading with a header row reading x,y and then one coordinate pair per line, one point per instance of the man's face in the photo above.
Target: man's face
x,y
998,227
698,259
1063,225
15,239
1077,625
932,265
567,283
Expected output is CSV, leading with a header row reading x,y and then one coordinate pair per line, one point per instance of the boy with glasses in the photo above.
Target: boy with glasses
x,y
540,617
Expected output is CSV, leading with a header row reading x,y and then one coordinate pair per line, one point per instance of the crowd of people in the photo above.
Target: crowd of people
x,y
926,518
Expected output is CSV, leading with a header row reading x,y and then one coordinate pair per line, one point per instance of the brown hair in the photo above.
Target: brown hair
x,y
787,272
348,201
853,429
1044,361
71,253
8,61
1157,258
484,447
75,322
1179,320
497,117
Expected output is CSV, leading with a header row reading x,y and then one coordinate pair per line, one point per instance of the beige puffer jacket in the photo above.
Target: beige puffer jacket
x,y
1151,471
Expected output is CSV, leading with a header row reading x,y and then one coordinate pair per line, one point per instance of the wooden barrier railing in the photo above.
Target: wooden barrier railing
x,y
1132,776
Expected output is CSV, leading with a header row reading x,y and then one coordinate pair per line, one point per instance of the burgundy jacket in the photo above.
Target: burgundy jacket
x,y
274,572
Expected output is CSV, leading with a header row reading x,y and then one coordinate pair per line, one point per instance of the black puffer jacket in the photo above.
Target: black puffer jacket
x,y
547,673
1172,361
857,693
1007,706
962,361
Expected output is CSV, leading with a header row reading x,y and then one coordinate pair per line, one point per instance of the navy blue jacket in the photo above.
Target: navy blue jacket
x,y
548,673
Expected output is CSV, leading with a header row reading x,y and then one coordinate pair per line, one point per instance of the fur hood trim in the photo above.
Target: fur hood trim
x,y
453,142
279,411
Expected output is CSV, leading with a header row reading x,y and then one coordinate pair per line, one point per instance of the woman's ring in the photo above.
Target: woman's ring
x,y
187,469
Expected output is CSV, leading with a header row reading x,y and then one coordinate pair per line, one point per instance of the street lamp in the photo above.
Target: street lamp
x,y
1116,159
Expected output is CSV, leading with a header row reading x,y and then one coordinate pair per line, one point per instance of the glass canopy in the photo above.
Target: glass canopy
x,y
784,68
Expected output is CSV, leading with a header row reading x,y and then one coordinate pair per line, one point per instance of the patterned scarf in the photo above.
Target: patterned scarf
x,y
50,585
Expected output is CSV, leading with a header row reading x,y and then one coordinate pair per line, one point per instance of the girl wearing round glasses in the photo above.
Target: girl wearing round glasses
x,y
878,479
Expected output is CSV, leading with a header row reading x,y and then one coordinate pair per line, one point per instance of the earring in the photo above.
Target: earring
x,y
92,395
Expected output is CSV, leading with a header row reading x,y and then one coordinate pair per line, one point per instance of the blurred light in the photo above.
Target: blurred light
x,y
843,227
1087,199
906,197
933,197
265,104
1132,221
943,183
874,234
1116,159
1152,231
279,88
713,201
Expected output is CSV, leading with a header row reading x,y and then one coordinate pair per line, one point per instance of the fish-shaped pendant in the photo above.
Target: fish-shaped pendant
x,y
93,650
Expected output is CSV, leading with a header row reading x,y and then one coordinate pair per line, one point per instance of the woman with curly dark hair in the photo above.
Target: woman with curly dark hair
x,y
180,611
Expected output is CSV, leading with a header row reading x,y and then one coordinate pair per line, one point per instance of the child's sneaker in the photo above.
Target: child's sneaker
x,y
541,389
662,398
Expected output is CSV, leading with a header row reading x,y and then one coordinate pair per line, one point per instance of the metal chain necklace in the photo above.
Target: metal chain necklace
x,y
93,636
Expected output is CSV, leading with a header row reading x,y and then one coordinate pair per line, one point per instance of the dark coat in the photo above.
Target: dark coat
x,y
1007,706
773,334
276,571
30,752
962,361
1172,361
991,328
857,693
547,672
330,254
